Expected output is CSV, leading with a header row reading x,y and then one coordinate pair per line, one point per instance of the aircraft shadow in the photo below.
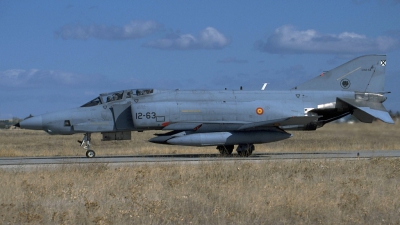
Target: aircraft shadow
x,y
199,156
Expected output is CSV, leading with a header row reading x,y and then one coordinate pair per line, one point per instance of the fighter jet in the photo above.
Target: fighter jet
x,y
228,117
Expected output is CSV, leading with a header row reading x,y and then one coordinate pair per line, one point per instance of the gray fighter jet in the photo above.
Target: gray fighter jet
x,y
227,118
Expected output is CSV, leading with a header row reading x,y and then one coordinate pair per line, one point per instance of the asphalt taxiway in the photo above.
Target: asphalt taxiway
x,y
4,161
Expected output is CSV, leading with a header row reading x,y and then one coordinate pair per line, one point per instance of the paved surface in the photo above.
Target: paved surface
x,y
195,157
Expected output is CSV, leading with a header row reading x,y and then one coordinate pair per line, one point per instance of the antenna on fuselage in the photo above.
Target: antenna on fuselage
x,y
264,86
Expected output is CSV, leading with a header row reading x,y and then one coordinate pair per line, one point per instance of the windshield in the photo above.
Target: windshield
x,y
96,101
117,95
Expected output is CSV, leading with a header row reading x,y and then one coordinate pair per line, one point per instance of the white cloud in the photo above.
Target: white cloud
x,y
133,30
288,39
34,79
19,78
350,35
209,38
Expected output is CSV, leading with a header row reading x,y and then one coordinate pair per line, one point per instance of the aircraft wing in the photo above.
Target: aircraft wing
x,y
183,126
289,121
366,111
197,133
209,126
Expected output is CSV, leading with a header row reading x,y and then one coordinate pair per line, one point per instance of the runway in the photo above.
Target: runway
x,y
5,161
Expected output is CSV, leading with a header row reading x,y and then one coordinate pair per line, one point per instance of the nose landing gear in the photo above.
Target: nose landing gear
x,y
86,145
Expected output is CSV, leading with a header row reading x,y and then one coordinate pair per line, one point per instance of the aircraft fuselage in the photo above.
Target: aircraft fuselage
x,y
156,110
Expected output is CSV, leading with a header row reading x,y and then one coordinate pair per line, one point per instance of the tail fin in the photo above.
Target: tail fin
x,y
362,74
365,76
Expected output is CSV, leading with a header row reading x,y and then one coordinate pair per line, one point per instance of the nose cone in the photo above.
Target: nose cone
x,y
33,123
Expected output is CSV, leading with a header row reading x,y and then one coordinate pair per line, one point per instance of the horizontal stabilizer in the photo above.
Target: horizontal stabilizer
x,y
366,111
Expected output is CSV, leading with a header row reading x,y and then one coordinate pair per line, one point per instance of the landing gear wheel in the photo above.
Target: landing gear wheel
x,y
244,153
245,150
90,154
225,150
85,143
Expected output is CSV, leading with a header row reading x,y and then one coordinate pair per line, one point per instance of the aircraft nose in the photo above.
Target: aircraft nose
x,y
33,123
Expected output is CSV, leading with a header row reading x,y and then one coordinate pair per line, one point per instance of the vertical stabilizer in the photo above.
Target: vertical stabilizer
x,y
362,74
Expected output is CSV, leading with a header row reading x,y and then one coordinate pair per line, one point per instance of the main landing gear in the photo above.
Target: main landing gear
x,y
243,150
86,145
225,150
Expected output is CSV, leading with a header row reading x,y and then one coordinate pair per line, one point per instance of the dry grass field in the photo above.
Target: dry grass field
x,y
266,192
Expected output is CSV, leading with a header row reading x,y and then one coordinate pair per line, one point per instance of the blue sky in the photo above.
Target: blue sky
x,y
60,54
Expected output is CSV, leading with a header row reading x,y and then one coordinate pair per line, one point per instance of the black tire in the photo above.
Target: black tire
x,y
225,149
90,154
247,152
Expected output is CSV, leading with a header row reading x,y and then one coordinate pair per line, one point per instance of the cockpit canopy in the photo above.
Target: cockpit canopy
x,y
117,95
